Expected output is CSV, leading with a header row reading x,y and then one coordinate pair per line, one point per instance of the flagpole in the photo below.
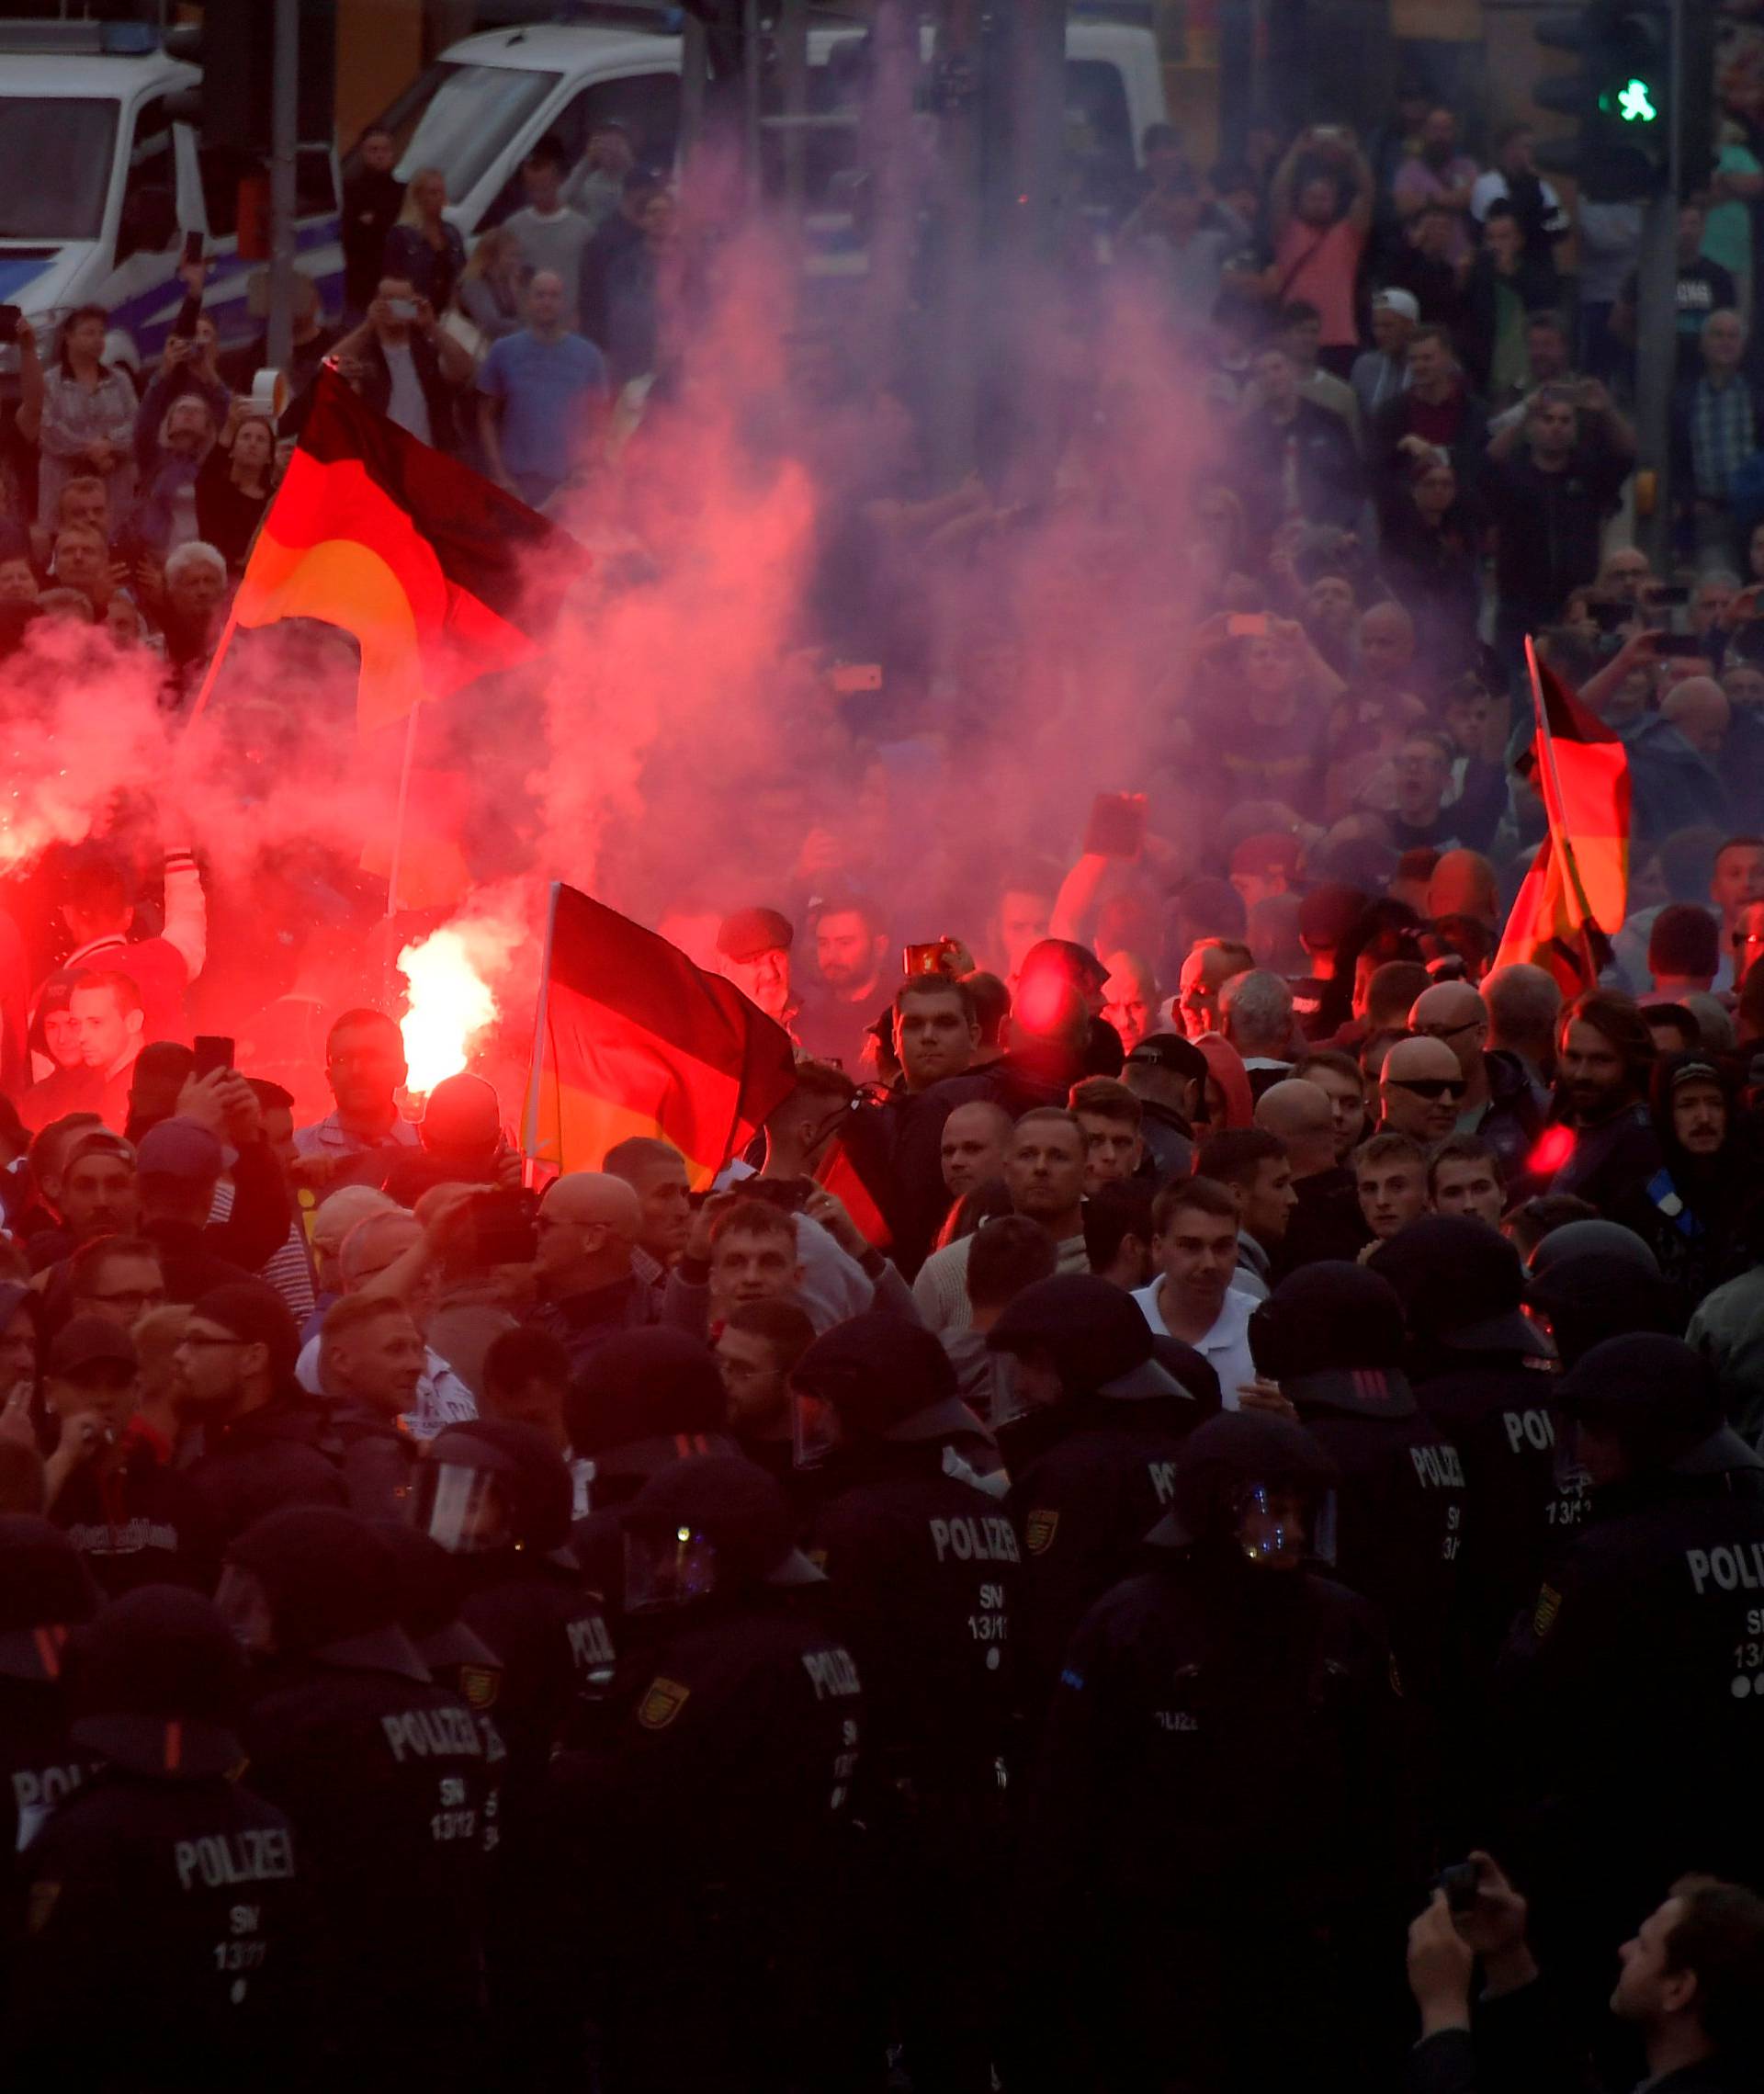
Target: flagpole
x,y
215,660
1557,818
530,1127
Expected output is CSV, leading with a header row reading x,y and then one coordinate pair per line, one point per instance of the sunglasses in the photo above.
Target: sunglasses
x,y
1430,1086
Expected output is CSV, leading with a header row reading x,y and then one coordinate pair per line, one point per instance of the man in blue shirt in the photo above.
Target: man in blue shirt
x,y
543,394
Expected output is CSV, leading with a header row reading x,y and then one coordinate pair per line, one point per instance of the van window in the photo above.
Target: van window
x,y
56,154
153,173
647,104
474,113
1098,129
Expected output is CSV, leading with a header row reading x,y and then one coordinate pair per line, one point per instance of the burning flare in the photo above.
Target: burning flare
x,y
449,1004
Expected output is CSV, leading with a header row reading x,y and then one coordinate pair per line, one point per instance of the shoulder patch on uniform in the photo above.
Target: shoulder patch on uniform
x,y
1038,1530
41,1904
480,1685
1549,1606
663,1702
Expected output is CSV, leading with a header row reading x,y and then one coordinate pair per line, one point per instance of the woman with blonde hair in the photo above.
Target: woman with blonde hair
x,y
424,246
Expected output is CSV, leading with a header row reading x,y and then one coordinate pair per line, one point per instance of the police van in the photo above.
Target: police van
x,y
99,188
479,109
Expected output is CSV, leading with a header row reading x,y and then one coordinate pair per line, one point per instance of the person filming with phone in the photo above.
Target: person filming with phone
x,y
404,365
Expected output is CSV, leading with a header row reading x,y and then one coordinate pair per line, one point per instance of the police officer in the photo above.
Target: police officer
x,y
386,1780
923,1566
1631,1696
639,1401
45,1591
1098,1455
1331,1336
1483,1374
496,1496
711,1824
163,1942
1581,1300
1214,1830
430,1589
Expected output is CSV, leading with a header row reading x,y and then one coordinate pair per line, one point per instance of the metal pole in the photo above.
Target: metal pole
x,y
692,87
1657,307
285,118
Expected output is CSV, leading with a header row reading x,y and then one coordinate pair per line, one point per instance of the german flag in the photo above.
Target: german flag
x,y
1577,889
634,1039
854,1169
440,576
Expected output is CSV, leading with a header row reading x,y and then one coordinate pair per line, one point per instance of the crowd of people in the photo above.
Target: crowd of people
x,y
1214,1431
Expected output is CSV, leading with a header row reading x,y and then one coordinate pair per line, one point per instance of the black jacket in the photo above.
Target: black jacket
x,y
143,1525
266,1460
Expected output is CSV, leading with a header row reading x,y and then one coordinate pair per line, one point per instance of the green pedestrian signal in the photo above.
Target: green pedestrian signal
x,y
1635,105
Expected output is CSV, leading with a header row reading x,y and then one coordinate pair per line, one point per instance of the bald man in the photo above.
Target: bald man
x,y
1698,708
1420,1091
1130,998
587,1230
1499,1102
1327,1221
1463,884
973,1145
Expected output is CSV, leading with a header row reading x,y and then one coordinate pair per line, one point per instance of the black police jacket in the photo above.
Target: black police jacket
x,y
556,1648
1400,1510
731,1757
1221,1739
165,1942
922,1573
1081,1508
393,1798
141,1523
39,1766
1495,1409
1632,1693
374,1457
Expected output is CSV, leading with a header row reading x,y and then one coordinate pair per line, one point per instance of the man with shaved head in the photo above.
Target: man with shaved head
x,y
1420,1091
1698,708
1130,999
588,1224
975,1138
1498,1103
1325,1222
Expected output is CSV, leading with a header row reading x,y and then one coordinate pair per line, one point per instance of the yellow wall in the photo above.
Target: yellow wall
x,y
379,51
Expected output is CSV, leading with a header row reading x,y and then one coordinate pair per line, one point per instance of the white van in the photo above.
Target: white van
x,y
98,187
479,110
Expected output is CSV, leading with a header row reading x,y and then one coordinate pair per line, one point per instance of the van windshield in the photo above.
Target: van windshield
x,y
471,115
55,165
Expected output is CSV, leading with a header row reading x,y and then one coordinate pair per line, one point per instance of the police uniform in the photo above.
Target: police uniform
x,y
922,1570
1215,1825
392,1796
44,1592
709,1829
1332,1336
1631,1697
164,1941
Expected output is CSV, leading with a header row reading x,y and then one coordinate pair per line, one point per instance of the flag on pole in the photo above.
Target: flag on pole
x,y
854,1171
1579,880
440,576
634,1039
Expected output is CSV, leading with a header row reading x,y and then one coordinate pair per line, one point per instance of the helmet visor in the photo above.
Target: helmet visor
x,y
668,1566
464,1509
1278,1526
814,1428
243,1599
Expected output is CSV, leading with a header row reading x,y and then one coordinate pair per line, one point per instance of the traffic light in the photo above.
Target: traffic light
x,y
1623,93
234,45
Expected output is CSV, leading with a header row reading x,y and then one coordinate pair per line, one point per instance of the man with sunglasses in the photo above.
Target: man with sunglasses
x,y
1498,1104
1421,1091
364,1064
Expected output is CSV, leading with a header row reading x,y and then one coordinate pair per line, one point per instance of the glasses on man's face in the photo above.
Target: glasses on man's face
x,y
1429,1087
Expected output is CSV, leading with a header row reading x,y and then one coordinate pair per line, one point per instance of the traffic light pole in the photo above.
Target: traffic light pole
x,y
1656,315
285,119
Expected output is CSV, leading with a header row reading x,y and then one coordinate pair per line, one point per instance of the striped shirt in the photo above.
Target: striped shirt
x,y
1721,436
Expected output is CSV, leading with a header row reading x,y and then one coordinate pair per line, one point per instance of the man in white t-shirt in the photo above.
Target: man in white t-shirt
x,y
552,236
1193,1297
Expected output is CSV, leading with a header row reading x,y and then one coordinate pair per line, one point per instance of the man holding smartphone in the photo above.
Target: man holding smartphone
x,y
404,365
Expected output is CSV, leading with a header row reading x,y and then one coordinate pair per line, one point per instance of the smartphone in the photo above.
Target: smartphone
x,y
790,1194
401,308
10,315
1326,130
1608,616
192,248
933,959
214,1050
849,676
1666,593
1247,625
1117,826
1679,646
1461,1881
502,1226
